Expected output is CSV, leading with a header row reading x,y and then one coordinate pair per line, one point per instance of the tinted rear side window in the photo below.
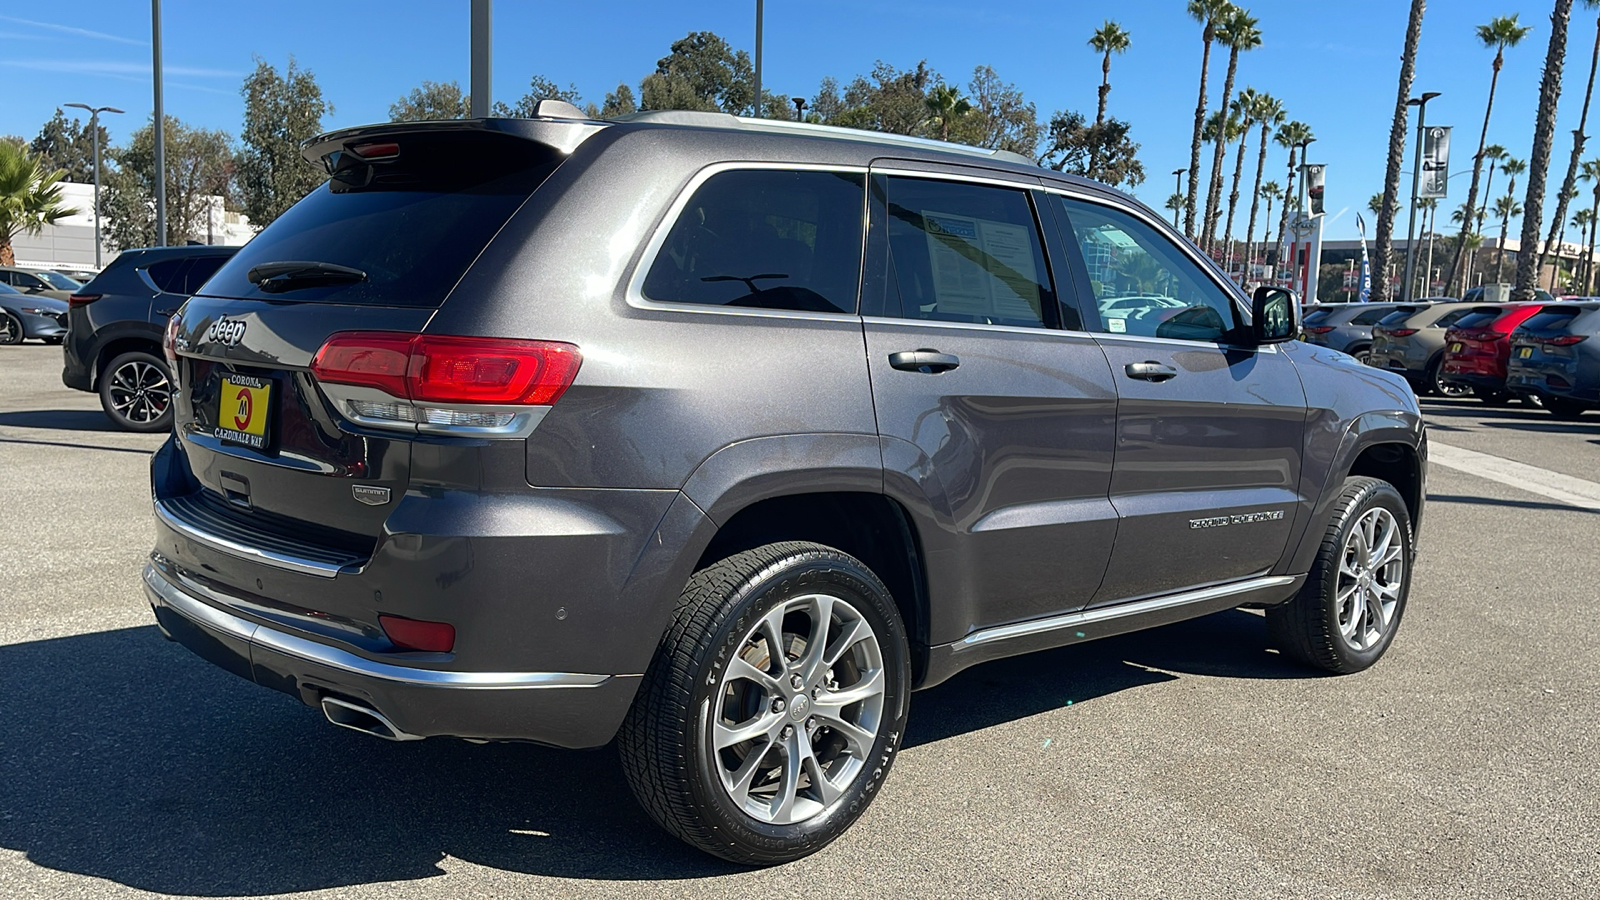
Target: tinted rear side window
x,y
768,239
200,270
1369,317
412,222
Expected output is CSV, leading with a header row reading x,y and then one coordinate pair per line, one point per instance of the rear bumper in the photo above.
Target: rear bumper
x,y
1476,380
562,709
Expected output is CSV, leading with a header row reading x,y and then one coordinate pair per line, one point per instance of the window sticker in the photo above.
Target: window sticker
x,y
981,267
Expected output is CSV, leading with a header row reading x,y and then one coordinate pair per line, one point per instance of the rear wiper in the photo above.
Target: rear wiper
x,y
288,275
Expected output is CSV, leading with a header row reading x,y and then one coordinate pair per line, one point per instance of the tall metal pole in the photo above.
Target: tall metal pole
x,y
94,126
1178,174
1429,220
1416,184
161,127
759,111
480,69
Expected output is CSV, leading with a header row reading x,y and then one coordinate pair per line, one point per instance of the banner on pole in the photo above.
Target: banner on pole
x,y
1364,291
1435,162
1314,184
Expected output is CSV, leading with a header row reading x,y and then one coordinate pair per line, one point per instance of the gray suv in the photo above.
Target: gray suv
x,y
718,437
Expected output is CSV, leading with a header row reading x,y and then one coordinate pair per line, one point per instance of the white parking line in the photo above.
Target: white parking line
x,y
1572,491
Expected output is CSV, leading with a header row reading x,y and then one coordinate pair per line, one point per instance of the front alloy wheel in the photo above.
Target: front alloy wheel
x,y
10,328
774,706
1371,576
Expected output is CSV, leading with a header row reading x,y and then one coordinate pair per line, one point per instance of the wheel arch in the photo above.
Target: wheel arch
x,y
1391,447
116,346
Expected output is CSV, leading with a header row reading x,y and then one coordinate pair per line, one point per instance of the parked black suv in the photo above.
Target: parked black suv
x,y
720,436
114,329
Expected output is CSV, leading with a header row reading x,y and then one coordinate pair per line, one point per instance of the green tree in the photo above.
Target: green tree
x,y
1583,219
539,88
1069,140
1500,32
1269,192
431,100
1557,226
1175,203
1209,14
1544,131
1243,118
619,102
702,72
200,169
1268,115
68,145
280,113
1289,134
945,106
1494,153
1375,203
1505,209
1238,33
1000,117
889,100
1383,243
30,197
1108,39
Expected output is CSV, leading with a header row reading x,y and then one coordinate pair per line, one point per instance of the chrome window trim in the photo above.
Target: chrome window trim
x,y
243,551
1179,342
1226,285
1018,182
208,616
966,326
1105,613
634,293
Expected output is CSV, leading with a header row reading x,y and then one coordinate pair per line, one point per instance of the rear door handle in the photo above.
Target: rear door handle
x,y
924,360
1150,370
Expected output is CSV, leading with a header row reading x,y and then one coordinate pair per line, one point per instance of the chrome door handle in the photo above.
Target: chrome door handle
x,y
1150,370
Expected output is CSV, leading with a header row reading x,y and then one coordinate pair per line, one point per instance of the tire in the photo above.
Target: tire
x,y
1440,386
55,341
1564,409
1363,355
1316,627
714,667
10,329
136,392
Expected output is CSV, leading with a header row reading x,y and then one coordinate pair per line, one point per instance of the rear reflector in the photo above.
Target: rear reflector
x,y
169,344
82,299
415,634
439,369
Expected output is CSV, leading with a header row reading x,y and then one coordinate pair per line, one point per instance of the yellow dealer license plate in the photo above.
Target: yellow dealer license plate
x,y
1524,352
1456,347
242,410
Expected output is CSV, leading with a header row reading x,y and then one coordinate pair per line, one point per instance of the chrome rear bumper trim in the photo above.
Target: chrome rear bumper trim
x,y
208,616
243,551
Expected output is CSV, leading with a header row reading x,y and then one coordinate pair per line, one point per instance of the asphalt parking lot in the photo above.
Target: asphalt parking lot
x,y
1190,761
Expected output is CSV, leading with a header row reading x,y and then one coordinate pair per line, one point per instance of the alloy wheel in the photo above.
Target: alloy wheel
x,y
1371,579
140,392
10,329
798,709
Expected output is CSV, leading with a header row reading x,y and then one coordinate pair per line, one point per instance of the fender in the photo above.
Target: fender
x,y
119,331
757,469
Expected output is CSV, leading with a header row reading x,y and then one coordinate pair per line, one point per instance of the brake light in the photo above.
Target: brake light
x,y
169,345
82,299
415,634
1400,332
441,369
1482,336
1563,340
1319,329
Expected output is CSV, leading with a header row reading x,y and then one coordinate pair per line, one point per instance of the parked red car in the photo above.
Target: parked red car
x,y
1477,346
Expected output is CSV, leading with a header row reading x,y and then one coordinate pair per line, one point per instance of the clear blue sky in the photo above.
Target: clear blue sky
x,y
1334,64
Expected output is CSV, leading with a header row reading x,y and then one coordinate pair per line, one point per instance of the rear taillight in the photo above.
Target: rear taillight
x,y
82,299
415,634
169,345
425,379
1400,332
1563,340
1319,329
1480,336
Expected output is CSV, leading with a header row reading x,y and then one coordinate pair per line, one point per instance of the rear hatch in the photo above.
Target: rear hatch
x,y
378,248
1547,342
1385,334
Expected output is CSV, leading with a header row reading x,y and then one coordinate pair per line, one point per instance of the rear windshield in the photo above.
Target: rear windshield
x,y
1550,320
1398,317
1316,315
1370,316
413,223
1480,318
1451,318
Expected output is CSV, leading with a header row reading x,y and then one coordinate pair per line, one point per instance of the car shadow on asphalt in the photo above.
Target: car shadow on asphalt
x,y
66,446
1515,504
125,758
59,419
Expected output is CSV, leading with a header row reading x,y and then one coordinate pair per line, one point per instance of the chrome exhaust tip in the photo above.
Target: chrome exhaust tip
x,y
364,719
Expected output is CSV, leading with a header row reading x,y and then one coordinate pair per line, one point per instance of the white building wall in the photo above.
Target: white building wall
x,y
70,242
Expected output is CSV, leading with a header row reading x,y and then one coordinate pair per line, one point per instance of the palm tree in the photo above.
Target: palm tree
x,y
1505,209
1557,226
1470,247
1500,33
1238,33
1375,203
1244,110
1175,203
946,106
1494,153
1544,132
1108,40
1269,115
1582,219
1268,192
1289,135
1589,171
30,197
1397,151
1430,213
1210,14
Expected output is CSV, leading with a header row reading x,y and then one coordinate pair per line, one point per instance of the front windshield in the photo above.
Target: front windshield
x,y
59,281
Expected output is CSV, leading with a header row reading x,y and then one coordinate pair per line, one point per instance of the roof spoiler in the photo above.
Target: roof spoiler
x,y
559,125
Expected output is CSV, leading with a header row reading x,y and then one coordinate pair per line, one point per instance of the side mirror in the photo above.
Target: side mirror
x,y
1274,315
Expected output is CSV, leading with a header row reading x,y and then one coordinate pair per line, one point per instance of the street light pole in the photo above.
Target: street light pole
x,y
1294,246
480,65
94,126
1178,174
161,126
1421,103
758,113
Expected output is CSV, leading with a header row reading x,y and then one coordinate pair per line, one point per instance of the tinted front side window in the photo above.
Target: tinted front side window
x,y
768,239
963,252
1141,282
